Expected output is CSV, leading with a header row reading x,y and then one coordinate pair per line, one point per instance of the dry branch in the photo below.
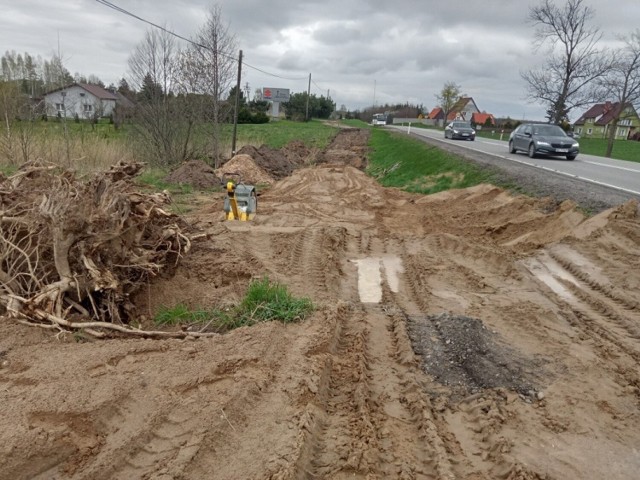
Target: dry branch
x,y
73,253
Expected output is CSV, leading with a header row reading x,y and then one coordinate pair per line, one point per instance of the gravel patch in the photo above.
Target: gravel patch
x,y
463,354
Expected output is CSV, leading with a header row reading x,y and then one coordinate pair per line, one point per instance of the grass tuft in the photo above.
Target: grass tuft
x,y
180,313
264,301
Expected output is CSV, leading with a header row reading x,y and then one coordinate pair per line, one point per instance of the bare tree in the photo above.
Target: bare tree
x,y
209,68
447,98
9,98
623,84
162,124
574,63
154,57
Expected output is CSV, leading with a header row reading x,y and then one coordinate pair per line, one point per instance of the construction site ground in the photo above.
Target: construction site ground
x,y
471,334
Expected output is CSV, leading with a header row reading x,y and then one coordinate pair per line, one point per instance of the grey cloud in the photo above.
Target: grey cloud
x,y
403,46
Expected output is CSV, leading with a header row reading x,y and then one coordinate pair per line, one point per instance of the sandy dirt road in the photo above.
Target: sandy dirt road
x,y
470,334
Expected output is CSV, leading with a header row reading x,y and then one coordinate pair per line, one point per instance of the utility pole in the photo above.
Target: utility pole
x,y
235,113
306,114
374,93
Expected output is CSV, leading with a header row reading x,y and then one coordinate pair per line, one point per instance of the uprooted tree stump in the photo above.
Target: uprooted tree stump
x,y
73,253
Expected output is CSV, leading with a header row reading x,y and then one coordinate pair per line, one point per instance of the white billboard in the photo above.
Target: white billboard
x,y
275,94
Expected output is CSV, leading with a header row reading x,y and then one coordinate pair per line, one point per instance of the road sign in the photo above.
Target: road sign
x,y
275,94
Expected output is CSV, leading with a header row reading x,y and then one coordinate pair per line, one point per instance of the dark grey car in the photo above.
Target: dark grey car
x,y
539,139
462,130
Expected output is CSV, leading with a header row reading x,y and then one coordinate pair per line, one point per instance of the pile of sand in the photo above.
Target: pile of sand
x,y
242,167
195,173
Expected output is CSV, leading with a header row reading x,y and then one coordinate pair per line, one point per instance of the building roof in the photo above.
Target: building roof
x,y
95,90
435,114
458,107
453,114
460,104
602,113
122,100
481,118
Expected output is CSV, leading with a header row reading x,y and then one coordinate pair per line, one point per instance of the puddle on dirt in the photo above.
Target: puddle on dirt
x,y
593,271
370,272
545,269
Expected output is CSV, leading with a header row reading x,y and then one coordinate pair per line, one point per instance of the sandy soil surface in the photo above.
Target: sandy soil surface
x,y
470,334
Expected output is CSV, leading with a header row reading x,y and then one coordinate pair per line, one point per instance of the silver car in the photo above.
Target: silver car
x,y
462,130
540,139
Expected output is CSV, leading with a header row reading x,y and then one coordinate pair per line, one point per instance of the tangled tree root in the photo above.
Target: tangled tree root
x,y
73,253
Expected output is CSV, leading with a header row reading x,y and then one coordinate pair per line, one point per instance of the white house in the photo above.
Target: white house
x,y
85,101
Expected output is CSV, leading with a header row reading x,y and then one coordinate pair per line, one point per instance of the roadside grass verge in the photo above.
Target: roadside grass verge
x,y
406,163
622,149
264,301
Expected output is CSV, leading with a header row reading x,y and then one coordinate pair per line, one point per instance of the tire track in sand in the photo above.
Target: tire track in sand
x,y
369,418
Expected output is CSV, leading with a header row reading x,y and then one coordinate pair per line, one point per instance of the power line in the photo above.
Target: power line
x,y
115,7
126,12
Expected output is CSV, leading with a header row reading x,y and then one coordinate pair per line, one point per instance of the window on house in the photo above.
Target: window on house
x,y
88,108
590,131
59,107
621,132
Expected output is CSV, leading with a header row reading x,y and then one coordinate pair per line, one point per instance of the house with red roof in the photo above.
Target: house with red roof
x,y
436,114
598,120
80,99
464,109
483,119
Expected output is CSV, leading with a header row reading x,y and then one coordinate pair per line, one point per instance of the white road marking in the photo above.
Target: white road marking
x,y
566,174
612,166
493,142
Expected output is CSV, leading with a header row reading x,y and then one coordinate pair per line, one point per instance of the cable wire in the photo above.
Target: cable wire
x,y
115,7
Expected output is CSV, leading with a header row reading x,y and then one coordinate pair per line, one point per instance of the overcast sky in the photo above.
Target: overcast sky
x,y
360,51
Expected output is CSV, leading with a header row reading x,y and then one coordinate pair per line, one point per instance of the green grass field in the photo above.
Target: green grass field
x,y
400,161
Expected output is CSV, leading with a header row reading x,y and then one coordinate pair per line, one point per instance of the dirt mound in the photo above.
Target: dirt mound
x,y
299,154
349,146
195,173
272,161
280,163
245,166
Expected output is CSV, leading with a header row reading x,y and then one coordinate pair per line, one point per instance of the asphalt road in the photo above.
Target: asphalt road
x,y
620,175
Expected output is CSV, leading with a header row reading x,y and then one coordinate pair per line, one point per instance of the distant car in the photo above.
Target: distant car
x,y
540,139
461,130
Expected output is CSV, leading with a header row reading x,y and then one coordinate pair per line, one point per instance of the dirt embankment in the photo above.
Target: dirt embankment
x,y
469,334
